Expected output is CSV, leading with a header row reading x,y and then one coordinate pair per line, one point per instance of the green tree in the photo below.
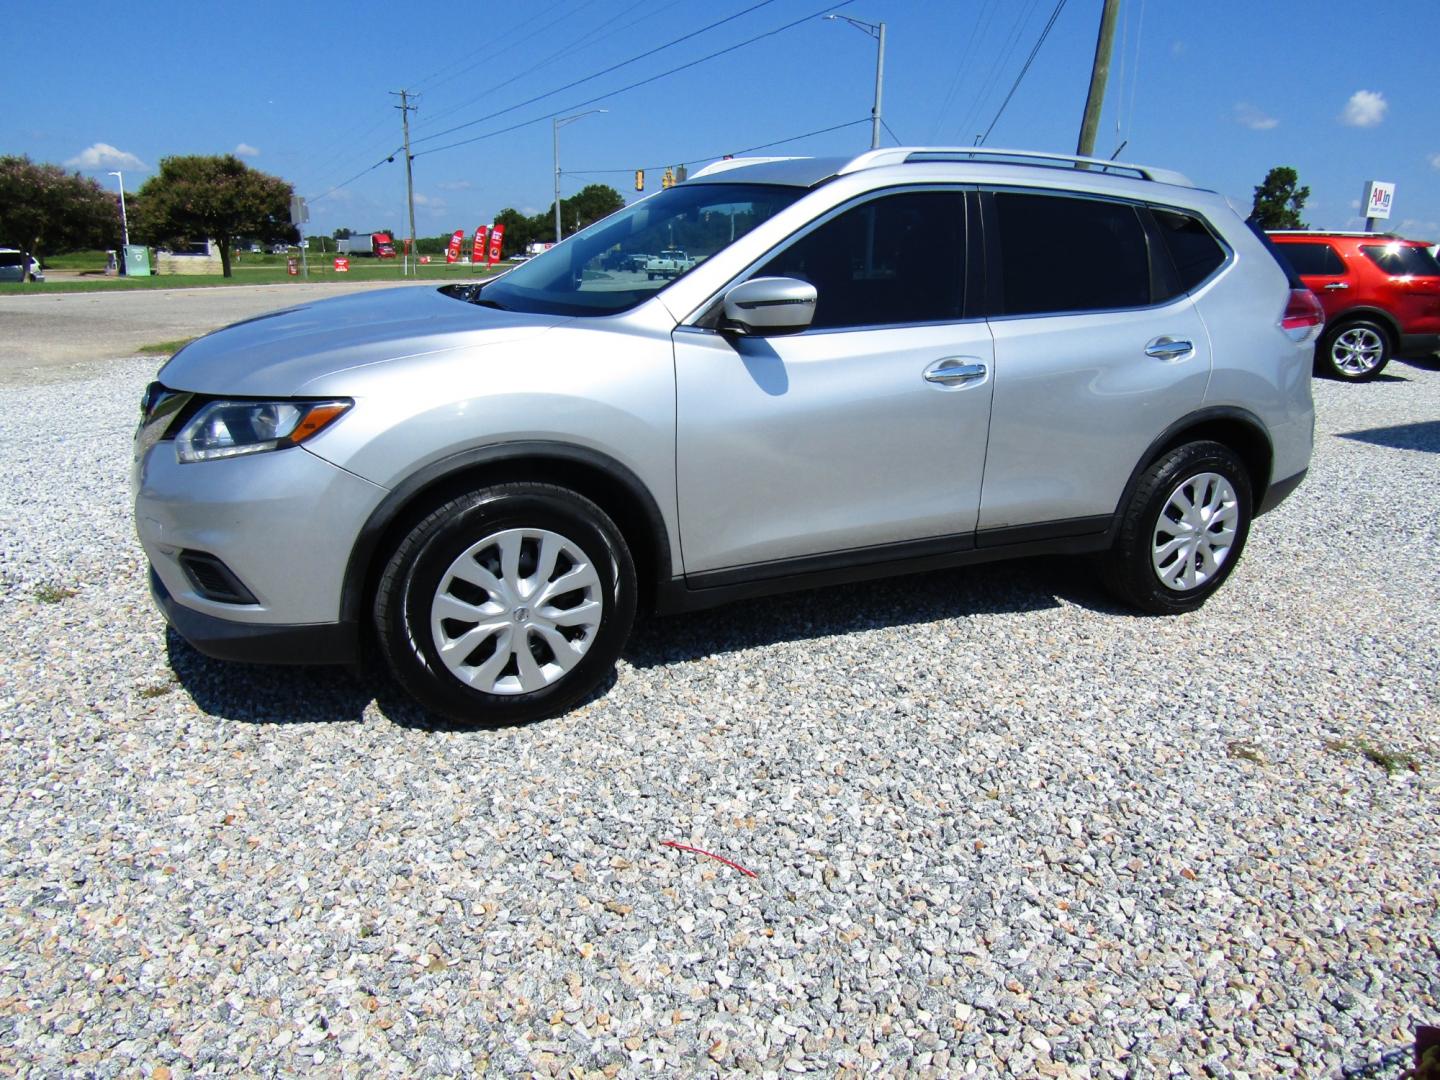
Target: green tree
x,y
520,231
585,207
217,198
1279,200
44,208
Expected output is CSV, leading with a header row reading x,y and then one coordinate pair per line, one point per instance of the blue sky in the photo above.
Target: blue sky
x,y
1220,90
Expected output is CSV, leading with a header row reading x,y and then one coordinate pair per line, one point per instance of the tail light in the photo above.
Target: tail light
x,y
1303,315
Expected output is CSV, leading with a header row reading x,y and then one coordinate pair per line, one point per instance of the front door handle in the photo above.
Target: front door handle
x,y
956,371
1336,285
1168,348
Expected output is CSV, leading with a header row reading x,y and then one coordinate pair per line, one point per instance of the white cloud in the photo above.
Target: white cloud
x,y
431,202
1366,108
244,149
456,185
104,156
1247,115
1177,48
1435,161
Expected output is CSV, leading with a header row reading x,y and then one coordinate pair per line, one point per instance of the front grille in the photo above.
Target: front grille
x,y
213,580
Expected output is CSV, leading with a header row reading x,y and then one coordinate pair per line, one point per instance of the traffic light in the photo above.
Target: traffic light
x,y
669,178
639,179
681,173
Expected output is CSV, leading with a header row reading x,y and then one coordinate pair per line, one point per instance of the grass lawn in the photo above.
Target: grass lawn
x,y
252,270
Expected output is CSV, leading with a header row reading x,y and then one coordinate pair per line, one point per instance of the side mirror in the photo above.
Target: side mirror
x,y
769,305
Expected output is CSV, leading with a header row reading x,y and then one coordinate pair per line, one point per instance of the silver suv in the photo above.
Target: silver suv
x,y
913,359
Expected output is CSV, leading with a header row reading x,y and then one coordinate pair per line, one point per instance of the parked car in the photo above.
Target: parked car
x,y
1381,296
668,264
854,378
12,266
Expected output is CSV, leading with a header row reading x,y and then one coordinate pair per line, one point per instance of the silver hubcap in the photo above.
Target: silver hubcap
x,y
1195,531
516,611
1357,350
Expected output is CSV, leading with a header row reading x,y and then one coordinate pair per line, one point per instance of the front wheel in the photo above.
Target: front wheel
x,y
1354,351
1183,530
506,605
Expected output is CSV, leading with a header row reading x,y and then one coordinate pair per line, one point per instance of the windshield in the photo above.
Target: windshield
x,y
634,253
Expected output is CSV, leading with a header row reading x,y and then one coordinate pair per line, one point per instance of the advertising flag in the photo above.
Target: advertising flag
x,y
497,238
477,249
452,253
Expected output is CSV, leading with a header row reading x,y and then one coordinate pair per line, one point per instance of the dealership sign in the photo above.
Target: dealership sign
x,y
1378,197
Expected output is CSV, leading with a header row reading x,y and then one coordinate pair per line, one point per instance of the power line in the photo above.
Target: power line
x,y
448,70
346,183
898,141
712,157
1028,61
487,54
596,75
584,40
635,85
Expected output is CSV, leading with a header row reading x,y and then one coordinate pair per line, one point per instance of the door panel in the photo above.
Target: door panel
x,y
1078,400
827,440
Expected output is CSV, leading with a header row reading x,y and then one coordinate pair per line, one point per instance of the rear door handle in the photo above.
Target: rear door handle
x,y
1168,348
956,371
1336,285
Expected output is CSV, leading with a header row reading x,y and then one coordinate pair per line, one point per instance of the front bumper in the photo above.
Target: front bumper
x,y
258,643
283,523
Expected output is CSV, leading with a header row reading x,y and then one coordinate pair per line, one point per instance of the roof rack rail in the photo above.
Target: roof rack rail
x,y
899,155
1334,232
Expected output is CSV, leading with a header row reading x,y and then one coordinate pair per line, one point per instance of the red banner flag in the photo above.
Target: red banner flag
x,y
477,250
452,253
497,238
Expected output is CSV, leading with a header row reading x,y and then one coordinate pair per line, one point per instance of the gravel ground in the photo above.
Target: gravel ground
x,y
999,827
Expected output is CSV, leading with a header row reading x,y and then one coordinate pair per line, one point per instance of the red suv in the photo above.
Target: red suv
x,y
1381,296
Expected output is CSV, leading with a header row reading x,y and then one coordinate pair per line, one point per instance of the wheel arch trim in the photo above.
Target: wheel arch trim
x,y
548,460
1197,424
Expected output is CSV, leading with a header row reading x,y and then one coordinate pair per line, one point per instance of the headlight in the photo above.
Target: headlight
x,y
224,429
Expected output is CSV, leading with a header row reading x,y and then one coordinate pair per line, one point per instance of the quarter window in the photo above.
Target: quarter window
x,y
1313,259
1193,250
1060,254
896,259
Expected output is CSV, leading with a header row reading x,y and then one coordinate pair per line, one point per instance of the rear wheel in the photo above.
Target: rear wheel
x,y
1183,530
506,605
1354,351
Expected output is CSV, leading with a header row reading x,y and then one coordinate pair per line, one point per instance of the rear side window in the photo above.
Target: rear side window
x,y
1062,254
1194,251
1401,259
9,258
1314,259
897,259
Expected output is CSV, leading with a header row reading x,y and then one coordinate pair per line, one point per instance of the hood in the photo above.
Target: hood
x,y
280,353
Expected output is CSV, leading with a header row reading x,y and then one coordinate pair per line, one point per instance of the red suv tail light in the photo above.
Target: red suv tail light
x,y
1303,315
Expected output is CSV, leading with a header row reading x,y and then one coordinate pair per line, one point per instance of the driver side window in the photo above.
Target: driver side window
x,y
893,260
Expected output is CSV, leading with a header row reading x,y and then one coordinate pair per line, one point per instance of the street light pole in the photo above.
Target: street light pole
x,y
877,31
124,222
561,121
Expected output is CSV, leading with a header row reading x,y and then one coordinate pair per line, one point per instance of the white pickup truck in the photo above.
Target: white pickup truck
x,y
672,262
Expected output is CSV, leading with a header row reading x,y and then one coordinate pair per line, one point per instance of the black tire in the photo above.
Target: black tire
x,y
1130,567
421,567
1355,350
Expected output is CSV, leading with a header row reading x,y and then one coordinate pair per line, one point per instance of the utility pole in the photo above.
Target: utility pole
x,y
1099,75
405,110
876,31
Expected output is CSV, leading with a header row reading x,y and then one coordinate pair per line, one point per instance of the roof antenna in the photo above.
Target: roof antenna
x,y
1118,149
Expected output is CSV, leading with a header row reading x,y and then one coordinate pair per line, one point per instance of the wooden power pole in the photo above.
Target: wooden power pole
x,y
1099,74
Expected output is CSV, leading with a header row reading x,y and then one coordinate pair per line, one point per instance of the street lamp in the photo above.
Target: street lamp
x,y
561,121
124,223
877,31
